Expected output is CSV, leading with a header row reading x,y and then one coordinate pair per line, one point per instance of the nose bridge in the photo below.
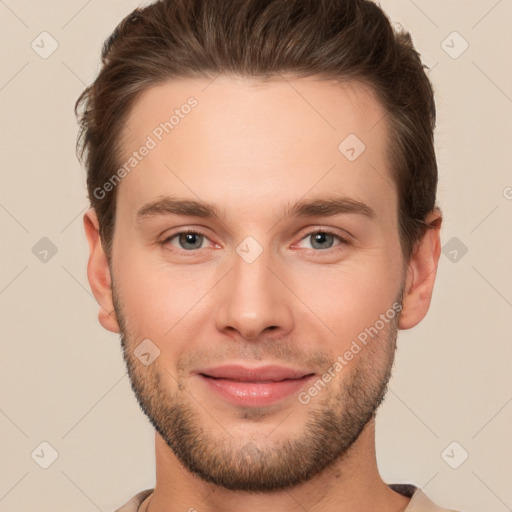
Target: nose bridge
x,y
254,299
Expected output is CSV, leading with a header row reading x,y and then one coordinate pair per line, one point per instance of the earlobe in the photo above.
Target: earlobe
x,y
98,273
421,274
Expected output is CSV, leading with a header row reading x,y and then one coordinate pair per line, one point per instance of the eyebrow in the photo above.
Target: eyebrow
x,y
325,207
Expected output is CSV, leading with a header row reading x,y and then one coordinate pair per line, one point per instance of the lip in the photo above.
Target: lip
x,y
254,374
255,386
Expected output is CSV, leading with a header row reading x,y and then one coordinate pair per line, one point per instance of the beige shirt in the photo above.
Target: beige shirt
x,y
419,500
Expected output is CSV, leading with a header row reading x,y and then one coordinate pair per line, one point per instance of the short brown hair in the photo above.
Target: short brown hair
x,y
329,39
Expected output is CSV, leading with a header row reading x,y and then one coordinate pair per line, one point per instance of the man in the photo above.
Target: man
x,y
262,179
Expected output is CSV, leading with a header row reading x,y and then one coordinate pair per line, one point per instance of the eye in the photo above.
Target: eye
x,y
189,240
322,239
186,240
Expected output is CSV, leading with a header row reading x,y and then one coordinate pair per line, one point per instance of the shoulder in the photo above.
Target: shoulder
x,y
420,502
134,503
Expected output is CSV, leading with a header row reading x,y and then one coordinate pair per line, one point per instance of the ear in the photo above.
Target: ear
x,y
98,273
421,273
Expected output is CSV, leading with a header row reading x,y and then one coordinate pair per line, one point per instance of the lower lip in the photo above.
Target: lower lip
x,y
255,393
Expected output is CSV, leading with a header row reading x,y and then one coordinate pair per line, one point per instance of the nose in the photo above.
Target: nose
x,y
254,301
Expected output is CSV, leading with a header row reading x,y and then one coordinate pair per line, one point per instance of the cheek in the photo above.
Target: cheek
x,y
155,296
348,298
161,299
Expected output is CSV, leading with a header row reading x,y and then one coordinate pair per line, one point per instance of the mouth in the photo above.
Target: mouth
x,y
250,381
254,386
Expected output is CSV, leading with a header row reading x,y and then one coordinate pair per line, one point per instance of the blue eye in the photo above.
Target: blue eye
x,y
323,240
187,240
320,238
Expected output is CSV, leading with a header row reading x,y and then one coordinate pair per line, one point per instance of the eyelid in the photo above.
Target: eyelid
x,y
344,240
184,231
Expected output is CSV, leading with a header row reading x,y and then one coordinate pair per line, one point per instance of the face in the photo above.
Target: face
x,y
247,235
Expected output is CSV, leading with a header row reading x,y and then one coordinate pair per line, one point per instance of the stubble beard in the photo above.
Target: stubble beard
x,y
336,418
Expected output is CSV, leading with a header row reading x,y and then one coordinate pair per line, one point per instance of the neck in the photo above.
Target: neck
x,y
351,483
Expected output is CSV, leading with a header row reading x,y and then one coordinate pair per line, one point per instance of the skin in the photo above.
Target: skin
x,y
253,148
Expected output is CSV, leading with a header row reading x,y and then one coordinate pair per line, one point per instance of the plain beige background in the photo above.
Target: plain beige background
x,y
62,378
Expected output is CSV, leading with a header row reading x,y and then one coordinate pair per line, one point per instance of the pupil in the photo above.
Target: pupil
x,y
189,239
321,237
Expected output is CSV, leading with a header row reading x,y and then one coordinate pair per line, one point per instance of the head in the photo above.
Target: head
x,y
262,129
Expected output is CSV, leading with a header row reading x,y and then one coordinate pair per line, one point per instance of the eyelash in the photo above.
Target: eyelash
x,y
342,240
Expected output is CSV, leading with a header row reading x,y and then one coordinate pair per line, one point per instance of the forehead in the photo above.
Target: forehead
x,y
245,142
